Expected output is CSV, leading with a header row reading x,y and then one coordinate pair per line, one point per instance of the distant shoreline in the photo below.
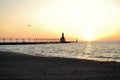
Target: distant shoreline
x,y
21,66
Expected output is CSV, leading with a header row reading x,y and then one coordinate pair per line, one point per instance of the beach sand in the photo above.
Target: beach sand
x,y
15,66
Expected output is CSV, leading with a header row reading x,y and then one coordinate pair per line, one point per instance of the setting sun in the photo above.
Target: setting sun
x,y
89,36
82,19
60,39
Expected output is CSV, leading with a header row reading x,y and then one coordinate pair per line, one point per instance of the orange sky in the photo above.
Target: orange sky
x,y
113,37
81,19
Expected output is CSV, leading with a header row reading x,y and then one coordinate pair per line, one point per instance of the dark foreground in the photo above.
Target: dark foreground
x,y
23,67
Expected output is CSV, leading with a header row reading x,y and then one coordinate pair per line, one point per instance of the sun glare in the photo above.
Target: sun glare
x,y
83,19
80,16
88,36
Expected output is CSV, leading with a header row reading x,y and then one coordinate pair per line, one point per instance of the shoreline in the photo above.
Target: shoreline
x,y
23,66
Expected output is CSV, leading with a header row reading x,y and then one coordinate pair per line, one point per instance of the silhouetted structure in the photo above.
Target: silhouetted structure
x,y
76,40
62,39
23,41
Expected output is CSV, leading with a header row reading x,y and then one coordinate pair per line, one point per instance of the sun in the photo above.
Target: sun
x,y
87,20
89,36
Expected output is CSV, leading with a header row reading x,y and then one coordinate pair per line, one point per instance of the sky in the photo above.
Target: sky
x,y
78,19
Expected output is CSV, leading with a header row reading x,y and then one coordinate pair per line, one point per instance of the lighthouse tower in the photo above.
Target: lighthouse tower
x,y
62,39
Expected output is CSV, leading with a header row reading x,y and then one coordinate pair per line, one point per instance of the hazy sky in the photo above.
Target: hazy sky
x,y
82,19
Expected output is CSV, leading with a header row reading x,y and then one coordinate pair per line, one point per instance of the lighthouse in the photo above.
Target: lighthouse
x,y
62,39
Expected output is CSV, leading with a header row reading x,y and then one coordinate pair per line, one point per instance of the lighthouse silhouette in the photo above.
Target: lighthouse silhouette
x,y
62,39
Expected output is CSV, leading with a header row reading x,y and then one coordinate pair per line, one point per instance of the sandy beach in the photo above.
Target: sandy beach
x,y
14,66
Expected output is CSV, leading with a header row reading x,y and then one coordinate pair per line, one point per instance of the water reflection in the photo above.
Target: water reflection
x,y
88,48
107,51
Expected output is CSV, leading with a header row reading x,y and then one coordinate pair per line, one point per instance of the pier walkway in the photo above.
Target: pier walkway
x,y
15,41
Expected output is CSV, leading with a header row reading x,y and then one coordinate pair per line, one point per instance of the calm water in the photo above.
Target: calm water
x,y
109,51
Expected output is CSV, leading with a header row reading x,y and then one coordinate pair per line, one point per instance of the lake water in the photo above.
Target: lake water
x,y
103,51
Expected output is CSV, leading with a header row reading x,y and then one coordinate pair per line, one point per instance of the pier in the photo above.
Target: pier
x,y
15,41
8,41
